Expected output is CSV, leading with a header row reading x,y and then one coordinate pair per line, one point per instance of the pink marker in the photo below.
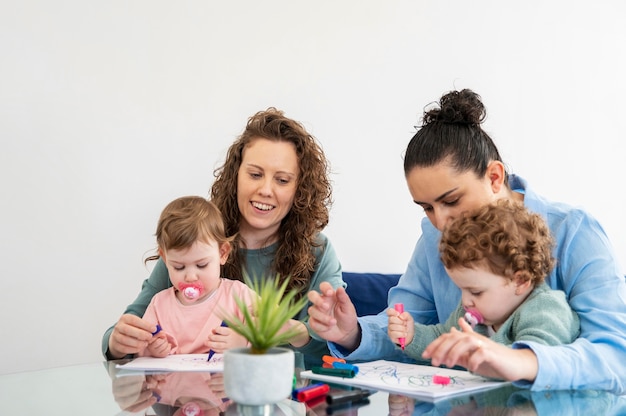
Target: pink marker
x,y
400,308
473,317
442,380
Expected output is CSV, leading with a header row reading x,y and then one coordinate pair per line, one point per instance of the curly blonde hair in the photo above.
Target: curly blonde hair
x,y
297,235
504,236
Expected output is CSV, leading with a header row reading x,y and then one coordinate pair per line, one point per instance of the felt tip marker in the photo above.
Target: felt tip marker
x,y
345,366
347,396
399,307
329,359
294,392
313,392
315,401
211,352
336,372
441,380
158,329
347,407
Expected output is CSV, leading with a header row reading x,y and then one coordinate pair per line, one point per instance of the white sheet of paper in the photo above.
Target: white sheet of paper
x,y
410,379
176,362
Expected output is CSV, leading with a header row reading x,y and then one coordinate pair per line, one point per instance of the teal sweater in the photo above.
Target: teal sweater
x,y
544,317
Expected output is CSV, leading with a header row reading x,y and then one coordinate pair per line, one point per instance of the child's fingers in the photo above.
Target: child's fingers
x,y
221,331
465,327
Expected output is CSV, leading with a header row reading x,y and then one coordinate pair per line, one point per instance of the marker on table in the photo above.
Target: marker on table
x,y
211,352
345,366
315,401
347,396
307,393
329,359
337,372
441,380
295,392
347,406
399,307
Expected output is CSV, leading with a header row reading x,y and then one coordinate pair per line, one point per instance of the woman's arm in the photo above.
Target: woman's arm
x,y
129,333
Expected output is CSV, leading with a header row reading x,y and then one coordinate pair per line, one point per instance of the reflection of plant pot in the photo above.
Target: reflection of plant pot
x,y
258,379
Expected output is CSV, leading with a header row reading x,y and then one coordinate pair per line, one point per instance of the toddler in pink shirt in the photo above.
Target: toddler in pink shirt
x,y
192,242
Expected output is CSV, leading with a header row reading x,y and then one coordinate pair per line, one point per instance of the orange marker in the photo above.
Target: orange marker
x,y
330,360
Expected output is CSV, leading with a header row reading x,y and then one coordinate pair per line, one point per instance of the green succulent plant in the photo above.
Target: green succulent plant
x,y
272,308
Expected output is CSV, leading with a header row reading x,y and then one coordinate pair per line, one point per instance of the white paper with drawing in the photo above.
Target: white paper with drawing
x,y
411,379
176,362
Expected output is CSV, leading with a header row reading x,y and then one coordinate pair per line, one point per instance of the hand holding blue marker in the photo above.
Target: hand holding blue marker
x,y
211,352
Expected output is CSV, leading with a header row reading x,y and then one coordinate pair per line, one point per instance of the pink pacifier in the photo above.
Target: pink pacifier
x,y
473,317
191,291
192,409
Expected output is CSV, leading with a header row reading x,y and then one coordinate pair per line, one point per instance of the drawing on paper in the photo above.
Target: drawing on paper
x,y
411,379
398,374
177,362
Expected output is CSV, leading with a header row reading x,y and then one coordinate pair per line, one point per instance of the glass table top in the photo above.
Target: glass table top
x,y
98,389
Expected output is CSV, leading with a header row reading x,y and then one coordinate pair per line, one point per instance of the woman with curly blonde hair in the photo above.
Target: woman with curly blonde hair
x,y
274,193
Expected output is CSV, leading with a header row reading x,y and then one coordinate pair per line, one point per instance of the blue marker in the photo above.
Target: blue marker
x,y
158,329
211,352
346,366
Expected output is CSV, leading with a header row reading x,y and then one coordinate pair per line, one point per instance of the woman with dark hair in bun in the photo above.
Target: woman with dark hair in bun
x,y
452,166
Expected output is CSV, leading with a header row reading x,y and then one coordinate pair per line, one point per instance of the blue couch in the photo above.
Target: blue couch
x,y
368,291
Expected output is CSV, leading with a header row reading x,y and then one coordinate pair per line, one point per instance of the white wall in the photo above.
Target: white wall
x,y
110,109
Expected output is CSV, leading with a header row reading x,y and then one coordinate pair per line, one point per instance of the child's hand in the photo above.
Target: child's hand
x,y
456,347
159,346
223,338
400,325
481,355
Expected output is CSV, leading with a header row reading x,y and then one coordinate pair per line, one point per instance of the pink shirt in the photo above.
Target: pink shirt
x,y
188,326
178,388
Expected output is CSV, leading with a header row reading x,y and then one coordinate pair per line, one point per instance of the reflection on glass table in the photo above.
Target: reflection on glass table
x,y
511,401
505,400
177,394
98,389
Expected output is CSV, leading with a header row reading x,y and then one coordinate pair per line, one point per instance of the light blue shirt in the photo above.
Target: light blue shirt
x,y
586,270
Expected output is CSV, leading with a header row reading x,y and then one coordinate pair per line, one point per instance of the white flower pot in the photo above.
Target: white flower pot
x,y
258,379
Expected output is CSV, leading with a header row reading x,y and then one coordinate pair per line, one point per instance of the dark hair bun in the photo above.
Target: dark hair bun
x,y
457,107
